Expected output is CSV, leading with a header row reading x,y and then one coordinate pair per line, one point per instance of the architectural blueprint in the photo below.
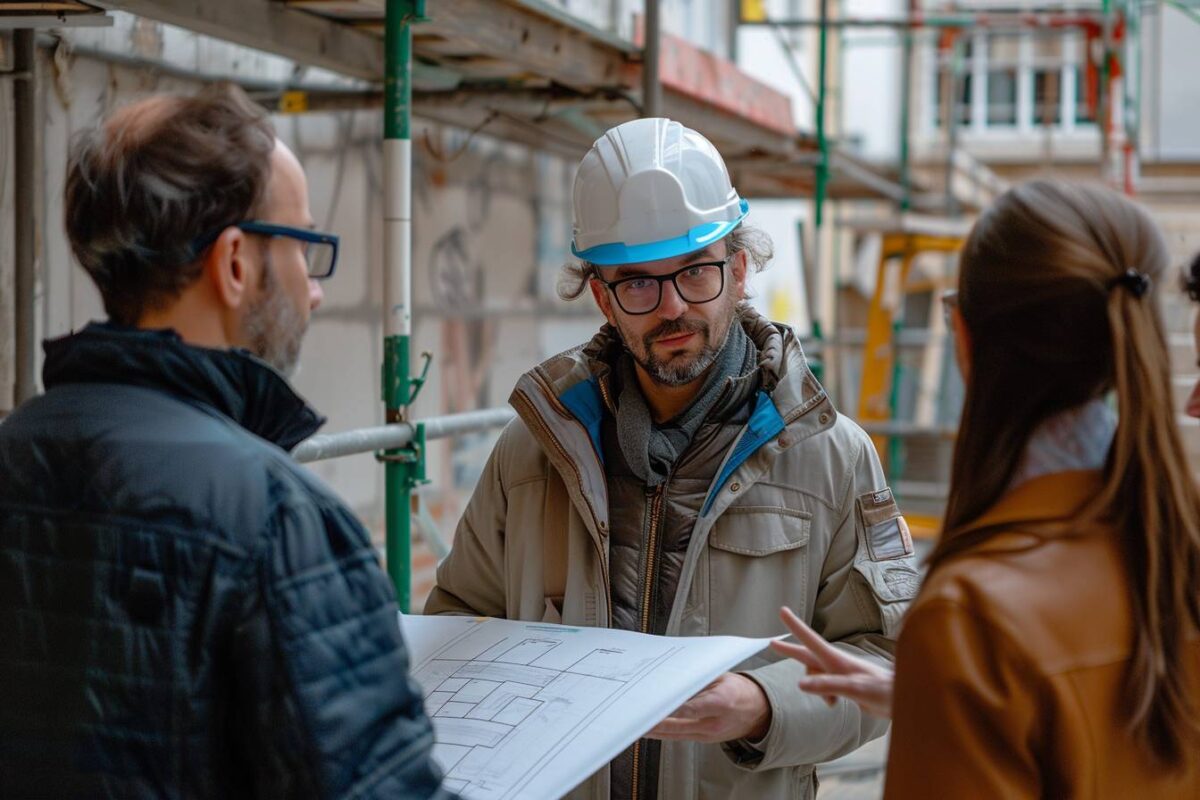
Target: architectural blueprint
x,y
526,710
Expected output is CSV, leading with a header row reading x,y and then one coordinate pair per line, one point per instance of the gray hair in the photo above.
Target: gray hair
x,y
573,279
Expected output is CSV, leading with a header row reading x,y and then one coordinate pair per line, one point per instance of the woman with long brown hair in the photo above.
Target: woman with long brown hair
x,y
1053,650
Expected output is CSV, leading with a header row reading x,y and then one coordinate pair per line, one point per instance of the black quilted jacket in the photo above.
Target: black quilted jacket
x,y
185,612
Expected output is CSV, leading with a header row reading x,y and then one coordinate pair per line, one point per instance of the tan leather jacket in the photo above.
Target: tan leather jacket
x,y
1010,671
799,514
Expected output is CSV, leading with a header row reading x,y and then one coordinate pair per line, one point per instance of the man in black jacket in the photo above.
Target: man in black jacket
x,y
184,612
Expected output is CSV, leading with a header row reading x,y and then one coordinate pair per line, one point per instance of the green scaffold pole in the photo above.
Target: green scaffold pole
x,y
404,468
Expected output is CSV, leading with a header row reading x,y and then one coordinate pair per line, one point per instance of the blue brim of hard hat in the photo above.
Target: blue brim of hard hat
x,y
699,237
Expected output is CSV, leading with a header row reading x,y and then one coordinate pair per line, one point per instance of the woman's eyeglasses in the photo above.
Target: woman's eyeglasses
x,y
949,303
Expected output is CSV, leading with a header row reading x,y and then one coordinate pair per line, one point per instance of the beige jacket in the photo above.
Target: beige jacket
x,y
798,515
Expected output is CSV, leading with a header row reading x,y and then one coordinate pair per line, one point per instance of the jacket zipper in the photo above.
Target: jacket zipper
x,y
637,750
604,394
644,622
651,554
549,435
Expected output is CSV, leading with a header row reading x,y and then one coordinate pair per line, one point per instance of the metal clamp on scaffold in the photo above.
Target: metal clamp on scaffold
x,y
412,453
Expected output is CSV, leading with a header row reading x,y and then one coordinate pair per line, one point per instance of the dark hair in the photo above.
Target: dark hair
x,y
1191,280
153,177
758,246
1052,293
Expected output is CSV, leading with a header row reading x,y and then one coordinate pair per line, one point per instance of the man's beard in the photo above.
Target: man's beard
x,y
274,327
682,370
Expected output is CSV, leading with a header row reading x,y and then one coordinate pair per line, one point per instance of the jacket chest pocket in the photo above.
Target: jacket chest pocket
x,y
757,562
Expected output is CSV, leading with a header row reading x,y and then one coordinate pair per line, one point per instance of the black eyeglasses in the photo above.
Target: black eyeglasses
x,y
949,303
320,249
695,283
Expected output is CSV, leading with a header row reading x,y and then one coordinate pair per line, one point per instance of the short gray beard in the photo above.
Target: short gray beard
x,y
674,375
681,374
273,326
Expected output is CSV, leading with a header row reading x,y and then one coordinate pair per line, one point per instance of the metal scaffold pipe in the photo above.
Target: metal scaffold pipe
x,y
821,181
401,434
404,465
25,150
651,87
906,66
991,20
822,176
1106,95
1132,104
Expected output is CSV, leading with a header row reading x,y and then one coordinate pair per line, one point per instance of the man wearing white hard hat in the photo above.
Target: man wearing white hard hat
x,y
684,474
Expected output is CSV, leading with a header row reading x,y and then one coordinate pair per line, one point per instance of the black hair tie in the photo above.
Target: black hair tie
x,y
1138,283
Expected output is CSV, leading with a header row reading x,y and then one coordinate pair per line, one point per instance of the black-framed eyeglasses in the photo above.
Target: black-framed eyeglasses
x,y
320,249
949,303
1191,287
695,283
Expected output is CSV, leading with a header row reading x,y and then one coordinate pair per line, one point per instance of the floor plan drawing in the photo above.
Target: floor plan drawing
x,y
529,710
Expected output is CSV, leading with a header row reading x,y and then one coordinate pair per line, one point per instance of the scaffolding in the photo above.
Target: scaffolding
x,y
539,77
1112,48
533,75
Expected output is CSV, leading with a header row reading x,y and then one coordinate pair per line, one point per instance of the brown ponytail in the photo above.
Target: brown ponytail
x,y
1151,494
1052,292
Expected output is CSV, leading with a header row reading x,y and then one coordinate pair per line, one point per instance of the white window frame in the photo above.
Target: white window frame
x,y
1026,124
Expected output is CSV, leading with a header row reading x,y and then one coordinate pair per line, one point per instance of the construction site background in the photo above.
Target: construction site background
x,y
493,216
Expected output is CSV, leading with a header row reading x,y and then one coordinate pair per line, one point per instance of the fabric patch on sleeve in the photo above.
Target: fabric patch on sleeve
x,y
884,530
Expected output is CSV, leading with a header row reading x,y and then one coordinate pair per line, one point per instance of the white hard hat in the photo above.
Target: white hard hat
x,y
651,189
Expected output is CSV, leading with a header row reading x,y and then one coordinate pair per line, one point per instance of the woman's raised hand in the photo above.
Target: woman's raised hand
x,y
833,673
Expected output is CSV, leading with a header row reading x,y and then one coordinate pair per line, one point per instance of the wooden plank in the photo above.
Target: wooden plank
x,y
549,137
525,41
539,44
61,7
341,10
271,27
732,135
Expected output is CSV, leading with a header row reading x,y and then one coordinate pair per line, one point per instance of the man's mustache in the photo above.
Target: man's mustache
x,y
672,328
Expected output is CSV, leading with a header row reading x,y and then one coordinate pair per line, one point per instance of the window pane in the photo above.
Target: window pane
x,y
1048,49
1083,114
1047,90
1002,97
962,105
939,95
964,100
1003,51
957,56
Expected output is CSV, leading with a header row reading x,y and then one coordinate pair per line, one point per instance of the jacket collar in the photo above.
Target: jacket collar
x,y
232,382
783,370
572,387
1048,498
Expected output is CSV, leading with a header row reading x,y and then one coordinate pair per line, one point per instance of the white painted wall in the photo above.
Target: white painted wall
x,y
1177,61
870,74
779,291
704,23
775,56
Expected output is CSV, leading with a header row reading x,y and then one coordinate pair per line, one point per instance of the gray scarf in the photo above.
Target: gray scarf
x,y
652,450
